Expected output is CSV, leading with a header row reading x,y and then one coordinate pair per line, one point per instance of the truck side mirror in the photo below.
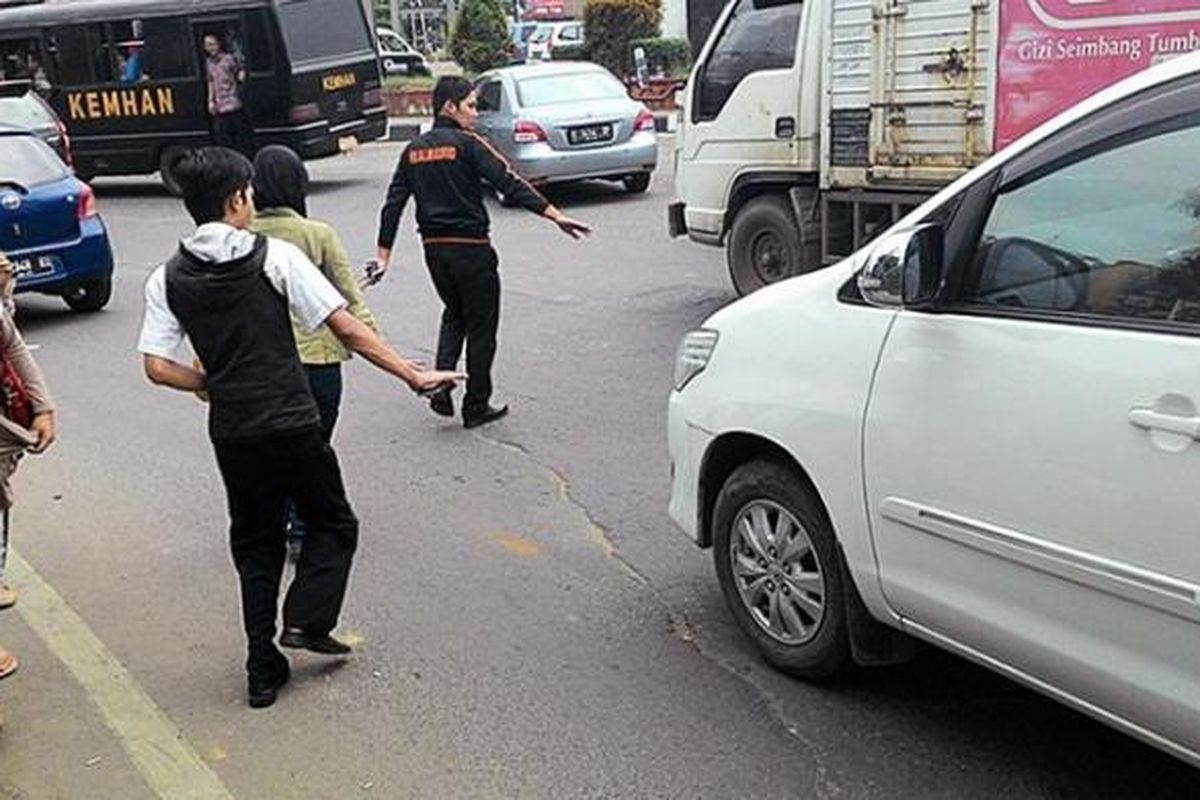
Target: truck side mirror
x,y
904,268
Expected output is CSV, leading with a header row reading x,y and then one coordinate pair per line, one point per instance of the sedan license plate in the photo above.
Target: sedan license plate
x,y
42,265
590,134
347,144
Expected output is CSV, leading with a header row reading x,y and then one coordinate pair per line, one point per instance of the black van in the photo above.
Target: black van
x,y
128,77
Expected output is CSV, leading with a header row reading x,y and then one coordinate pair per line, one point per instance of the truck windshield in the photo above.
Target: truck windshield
x,y
315,29
758,36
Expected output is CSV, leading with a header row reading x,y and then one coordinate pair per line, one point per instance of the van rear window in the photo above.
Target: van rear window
x,y
315,29
27,161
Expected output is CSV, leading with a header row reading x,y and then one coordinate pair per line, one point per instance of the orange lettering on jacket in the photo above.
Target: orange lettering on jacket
x,y
429,155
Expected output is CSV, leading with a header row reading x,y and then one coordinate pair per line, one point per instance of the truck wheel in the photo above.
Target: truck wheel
x,y
780,570
166,169
89,295
766,244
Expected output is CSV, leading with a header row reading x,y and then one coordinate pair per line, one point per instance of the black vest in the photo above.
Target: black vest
x,y
240,328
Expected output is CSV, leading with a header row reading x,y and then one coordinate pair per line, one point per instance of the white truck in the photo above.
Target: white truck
x,y
809,126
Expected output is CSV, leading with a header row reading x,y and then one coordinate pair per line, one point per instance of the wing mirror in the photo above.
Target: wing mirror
x,y
904,268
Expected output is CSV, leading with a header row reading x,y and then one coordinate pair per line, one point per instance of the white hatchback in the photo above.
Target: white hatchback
x,y
982,429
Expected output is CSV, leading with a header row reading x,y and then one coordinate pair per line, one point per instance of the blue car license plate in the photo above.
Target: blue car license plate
x,y
590,134
33,267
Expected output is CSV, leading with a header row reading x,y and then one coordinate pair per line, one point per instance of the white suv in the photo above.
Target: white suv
x,y
550,35
981,430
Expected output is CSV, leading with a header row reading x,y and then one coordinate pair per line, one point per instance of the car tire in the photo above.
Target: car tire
x,y
637,183
766,244
790,599
90,295
166,169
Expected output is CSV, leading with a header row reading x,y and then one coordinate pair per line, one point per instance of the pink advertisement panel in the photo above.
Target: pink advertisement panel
x,y
1054,53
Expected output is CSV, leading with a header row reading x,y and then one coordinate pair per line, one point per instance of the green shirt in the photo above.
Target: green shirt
x,y
321,244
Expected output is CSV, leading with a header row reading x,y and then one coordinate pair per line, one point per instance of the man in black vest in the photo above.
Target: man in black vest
x,y
445,169
232,294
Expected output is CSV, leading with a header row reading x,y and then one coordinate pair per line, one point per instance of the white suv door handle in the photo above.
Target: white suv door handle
x,y
1150,419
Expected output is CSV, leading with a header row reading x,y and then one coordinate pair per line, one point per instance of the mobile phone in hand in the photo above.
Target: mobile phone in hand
x,y
372,272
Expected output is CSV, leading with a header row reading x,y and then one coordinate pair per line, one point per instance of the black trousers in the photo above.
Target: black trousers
x,y
233,130
258,477
468,281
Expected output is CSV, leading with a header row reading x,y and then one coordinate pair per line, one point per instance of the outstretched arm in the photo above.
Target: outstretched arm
x,y
499,173
364,341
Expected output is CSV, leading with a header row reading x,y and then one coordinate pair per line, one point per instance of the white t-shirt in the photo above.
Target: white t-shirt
x,y
310,296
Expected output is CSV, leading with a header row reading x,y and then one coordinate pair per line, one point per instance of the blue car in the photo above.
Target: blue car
x,y
49,227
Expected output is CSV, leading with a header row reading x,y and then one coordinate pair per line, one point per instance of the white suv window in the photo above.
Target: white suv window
x,y
1115,234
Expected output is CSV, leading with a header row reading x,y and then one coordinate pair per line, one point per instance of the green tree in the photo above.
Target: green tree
x,y
610,25
480,39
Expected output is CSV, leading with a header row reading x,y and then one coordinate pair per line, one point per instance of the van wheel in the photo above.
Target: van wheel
x,y
166,169
780,570
89,295
766,244
638,183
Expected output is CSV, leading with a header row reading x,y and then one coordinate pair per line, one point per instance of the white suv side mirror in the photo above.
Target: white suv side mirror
x,y
904,268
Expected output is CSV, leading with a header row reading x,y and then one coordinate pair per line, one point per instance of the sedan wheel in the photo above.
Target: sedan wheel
x,y
780,569
89,295
637,183
777,573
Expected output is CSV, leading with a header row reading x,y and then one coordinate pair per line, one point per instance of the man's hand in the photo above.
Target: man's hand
x,y
43,427
571,227
383,255
425,381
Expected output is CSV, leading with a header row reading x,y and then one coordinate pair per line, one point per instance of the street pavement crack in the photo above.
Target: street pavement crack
x,y
677,621
824,786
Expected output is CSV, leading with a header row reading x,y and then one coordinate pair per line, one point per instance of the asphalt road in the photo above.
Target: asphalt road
x,y
529,623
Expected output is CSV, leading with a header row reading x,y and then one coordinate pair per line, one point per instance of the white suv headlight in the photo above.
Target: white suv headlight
x,y
694,352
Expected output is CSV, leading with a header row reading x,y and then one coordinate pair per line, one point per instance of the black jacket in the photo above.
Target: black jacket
x,y
444,169
242,332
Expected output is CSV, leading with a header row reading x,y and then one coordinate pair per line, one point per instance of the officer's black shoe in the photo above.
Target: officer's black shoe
x,y
262,690
473,419
442,403
325,645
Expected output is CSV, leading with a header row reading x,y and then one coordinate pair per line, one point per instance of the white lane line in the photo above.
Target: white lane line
x,y
164,758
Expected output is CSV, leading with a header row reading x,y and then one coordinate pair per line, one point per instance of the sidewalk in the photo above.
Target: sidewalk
x,y
403,129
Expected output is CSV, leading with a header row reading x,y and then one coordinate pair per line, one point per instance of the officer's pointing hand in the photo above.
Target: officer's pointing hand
x,y
571,227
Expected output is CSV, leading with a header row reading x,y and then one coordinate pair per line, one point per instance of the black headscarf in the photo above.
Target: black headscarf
x,y
280,179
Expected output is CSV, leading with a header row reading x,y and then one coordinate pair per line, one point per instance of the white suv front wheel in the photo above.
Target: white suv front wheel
x,y
780,570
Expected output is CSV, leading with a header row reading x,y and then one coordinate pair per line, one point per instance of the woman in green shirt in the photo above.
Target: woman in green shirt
x,y
280,189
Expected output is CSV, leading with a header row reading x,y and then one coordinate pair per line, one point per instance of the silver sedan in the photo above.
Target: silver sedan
x,y
567,121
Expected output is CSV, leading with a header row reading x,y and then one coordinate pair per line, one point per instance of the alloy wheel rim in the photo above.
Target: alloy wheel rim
x,y
776,571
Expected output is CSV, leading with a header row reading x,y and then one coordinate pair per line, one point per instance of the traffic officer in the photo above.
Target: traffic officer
x,y
445,169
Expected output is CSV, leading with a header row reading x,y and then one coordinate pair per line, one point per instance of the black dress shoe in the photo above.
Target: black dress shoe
x,y
474,419
263,691
442,403
326,645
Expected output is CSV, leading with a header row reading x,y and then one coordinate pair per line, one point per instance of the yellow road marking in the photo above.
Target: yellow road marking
x,y
156,747
517,545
